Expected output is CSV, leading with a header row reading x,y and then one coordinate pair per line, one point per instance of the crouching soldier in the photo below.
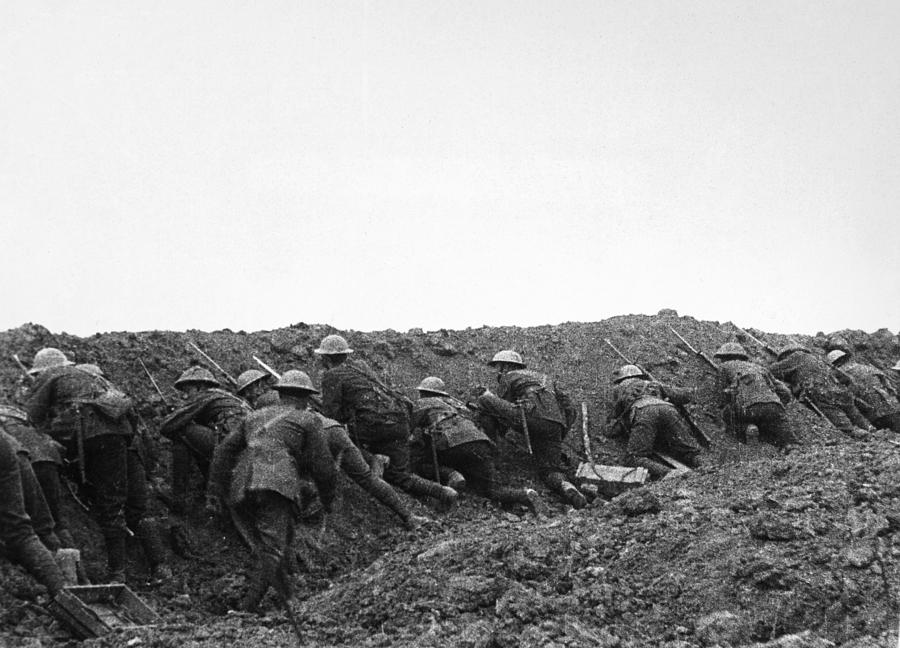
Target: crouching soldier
x,y
208,415
810,378
95,421
532,404
258,469
16,531
876,396
377,417
643,411
752,396
447,445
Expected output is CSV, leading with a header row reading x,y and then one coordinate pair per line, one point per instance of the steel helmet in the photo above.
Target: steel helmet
x,y
433,385
731,349
790,348
196,375
333,345
92,369
628,371
47,358
835,355
248,378
507,355
296,380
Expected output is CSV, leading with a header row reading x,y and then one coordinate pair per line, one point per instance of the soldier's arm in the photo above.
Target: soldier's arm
x,y
782,368
180,418
332,396
224,458
781,390
566,405
320,463
40,401
677,395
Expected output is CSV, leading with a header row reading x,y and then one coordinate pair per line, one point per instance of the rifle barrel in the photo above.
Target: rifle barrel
x,y
214,364
267,368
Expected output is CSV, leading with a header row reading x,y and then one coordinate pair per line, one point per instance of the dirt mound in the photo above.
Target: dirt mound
x,y
751,548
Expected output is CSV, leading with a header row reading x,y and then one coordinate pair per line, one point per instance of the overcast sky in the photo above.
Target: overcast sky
x,y
374,165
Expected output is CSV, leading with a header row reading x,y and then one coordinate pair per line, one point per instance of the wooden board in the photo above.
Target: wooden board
x,y
611,480
670,461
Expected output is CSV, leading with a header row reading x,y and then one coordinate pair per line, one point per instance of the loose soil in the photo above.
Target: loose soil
x,y
754,548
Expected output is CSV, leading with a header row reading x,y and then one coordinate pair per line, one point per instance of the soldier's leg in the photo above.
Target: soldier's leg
x,y
888,422
22,545
106,466
773,424
181,475
273,519
147,530
836,416
356,468
48,477
36,505
677,436
856,416
642,443
546,443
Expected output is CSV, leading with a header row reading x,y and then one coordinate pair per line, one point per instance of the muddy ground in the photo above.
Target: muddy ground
x,y
753,548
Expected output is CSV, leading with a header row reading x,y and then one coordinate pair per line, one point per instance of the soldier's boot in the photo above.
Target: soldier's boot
x,y
656,469
384,493
39,562
573,496
115,558
456,480
377,463
151,537
448,498
259,585
526,496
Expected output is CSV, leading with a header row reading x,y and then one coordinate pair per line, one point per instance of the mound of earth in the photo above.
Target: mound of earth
x,y
753,548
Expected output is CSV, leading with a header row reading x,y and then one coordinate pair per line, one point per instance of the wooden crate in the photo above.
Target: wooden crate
x,y
93,610
611,480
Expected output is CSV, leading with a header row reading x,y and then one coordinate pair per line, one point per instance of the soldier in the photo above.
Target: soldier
x,y
446,439
253,387
265,460
94,420
876,397
810,378
46,459
16,530
208,415
752,396
377,418
644,411
546,410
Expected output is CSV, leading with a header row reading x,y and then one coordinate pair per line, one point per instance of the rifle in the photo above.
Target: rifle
x,y
700,354
15,356
266,367
585,437
227,375
699,434
525,428
765,346
153,382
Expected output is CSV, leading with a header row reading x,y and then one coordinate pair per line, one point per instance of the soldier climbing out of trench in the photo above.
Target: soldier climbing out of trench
x,y
258,469
448,446
253,386
95,422
752,399
876,396
532,404
376,415
810,377
644,413
209,414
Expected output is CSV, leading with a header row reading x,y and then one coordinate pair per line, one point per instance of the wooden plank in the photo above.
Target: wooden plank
x,y
670,461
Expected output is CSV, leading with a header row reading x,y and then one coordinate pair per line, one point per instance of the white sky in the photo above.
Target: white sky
x,y
377,165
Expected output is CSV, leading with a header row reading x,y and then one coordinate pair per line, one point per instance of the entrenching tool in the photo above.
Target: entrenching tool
x,y
699,434
227,375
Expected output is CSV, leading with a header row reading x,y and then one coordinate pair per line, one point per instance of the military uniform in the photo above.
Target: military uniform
x,y
266,460
459,444
16,525
46,459
548,412
377,419
195,429
644,411
750,394
95,423
810,377
876,395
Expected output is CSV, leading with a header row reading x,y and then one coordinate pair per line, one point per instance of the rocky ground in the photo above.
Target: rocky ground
x,y
753,548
